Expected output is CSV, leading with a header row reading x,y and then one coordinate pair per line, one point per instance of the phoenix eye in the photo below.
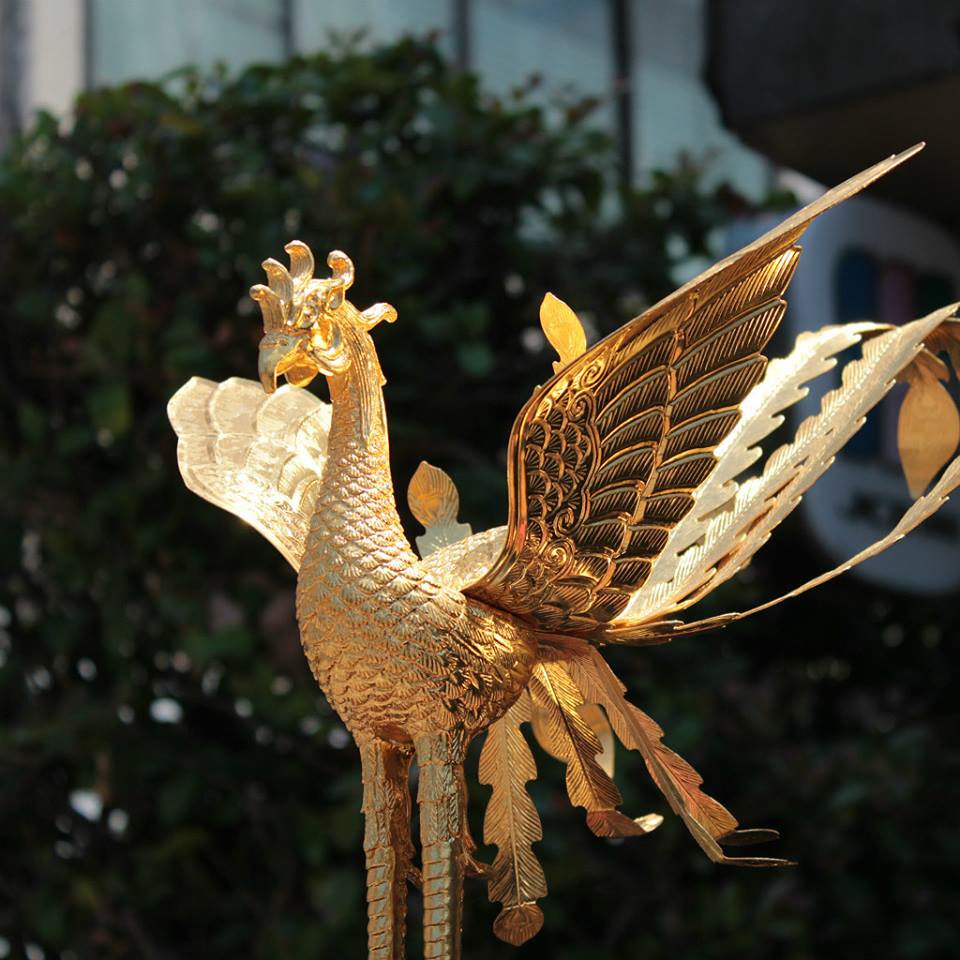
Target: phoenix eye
x,y
310,311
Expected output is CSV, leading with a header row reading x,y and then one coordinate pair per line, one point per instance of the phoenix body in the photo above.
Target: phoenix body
x,y
627,505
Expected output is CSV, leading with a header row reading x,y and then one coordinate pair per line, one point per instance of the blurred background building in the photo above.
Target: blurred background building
x,y
644,60
757,86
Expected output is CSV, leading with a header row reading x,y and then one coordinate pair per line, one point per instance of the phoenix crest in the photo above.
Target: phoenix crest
x,y
628,504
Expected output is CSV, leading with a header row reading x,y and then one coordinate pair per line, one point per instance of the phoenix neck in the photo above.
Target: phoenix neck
x,y
358,426
357,495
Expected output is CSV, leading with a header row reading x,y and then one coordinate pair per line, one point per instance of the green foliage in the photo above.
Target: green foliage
x,y
148,653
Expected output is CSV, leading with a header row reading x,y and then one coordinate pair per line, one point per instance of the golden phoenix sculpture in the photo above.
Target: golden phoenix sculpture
x,y
627,505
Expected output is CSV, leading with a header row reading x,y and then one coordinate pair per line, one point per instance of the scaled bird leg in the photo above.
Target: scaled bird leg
x,y
387,844
472,866
440,796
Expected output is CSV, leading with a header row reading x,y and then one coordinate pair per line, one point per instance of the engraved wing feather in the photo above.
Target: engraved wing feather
x,y
605,459
467,560
761,412
730,537
783,385
918,511
259,456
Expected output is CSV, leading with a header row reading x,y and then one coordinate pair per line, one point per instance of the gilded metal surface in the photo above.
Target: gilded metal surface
x,y
627,504
928,430
605,459
466,560
563,330
259,456
512,824
434,501
722,541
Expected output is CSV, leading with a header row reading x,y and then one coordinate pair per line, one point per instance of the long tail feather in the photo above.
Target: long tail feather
x,y
515,879
707,820
594,718
570,738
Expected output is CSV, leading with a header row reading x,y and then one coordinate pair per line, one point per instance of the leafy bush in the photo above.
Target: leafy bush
x,y
172,783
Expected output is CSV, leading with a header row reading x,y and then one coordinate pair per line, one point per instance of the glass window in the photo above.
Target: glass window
x,y
144,38
568,43
380,20
673,109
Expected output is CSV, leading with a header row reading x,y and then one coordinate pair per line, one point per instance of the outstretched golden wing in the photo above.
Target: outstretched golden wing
x,y
720,537
605,458
259,456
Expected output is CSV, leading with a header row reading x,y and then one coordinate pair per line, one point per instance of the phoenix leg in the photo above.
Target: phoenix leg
x,y
387,845
442,826
472,866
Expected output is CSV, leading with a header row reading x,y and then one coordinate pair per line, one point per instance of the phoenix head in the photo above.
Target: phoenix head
x,y
309,326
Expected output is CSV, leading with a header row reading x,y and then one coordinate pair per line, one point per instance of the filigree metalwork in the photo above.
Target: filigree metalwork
x,y
627,505
434,501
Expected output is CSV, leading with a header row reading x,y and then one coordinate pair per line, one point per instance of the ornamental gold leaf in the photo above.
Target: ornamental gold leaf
x,y
563,330
435,502
433,496
928,429
515,878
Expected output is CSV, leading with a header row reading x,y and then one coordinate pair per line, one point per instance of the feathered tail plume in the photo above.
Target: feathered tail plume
x,y
511,823
706,819
569,737
567,686
565,727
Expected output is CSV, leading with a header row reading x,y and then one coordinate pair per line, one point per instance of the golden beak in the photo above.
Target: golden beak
x,y
283,355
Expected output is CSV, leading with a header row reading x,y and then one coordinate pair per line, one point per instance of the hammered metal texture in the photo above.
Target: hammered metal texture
x,y
627,504
605,458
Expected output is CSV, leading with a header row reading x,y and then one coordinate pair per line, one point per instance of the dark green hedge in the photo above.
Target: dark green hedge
x,y
128,239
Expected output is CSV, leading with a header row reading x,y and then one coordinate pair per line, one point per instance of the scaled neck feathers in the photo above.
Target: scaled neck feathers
x,y
358,447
